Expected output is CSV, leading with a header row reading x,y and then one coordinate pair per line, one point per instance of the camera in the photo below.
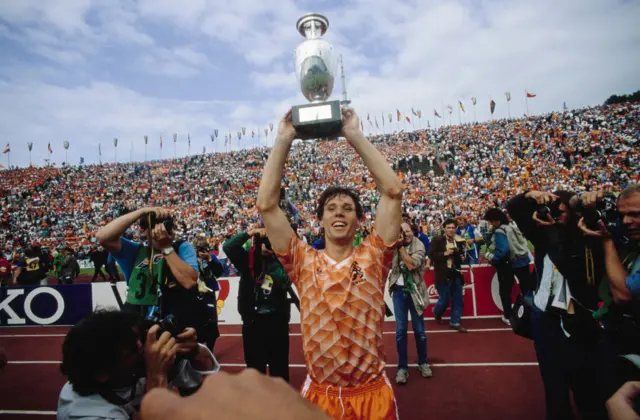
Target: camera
x,y
606,211
168,223
552,210
169,323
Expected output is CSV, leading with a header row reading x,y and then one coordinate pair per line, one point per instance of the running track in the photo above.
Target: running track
x,y
489,373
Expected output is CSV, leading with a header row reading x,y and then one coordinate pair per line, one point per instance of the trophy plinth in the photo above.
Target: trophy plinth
x,y
316,68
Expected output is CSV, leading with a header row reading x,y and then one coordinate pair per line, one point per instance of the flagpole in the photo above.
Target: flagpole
x,y
526,102
474,113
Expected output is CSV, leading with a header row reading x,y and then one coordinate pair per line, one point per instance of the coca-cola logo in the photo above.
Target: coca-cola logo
x,y
433,293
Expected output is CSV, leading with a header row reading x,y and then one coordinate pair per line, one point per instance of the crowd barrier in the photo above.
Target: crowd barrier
x,y
67,304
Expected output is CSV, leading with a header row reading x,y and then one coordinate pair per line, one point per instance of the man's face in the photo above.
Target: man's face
x,y
407,232
129,366
450,230
339,220
494,223
462,223
629,209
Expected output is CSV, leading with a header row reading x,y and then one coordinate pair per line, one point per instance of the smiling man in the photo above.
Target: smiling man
x,y
341,287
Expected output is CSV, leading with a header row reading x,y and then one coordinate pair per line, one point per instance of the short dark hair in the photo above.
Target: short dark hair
x,y
95,346
494,214
449,222
334,191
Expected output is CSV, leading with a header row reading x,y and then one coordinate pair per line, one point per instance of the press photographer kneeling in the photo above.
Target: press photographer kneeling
x,y
112,358
569,269
619,230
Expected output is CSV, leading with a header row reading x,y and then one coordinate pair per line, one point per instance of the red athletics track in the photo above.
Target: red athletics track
x,y
489,373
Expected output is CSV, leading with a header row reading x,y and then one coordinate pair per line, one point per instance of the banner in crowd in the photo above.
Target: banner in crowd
x,y
66,305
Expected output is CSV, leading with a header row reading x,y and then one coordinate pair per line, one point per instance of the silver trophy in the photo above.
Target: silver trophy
x,y
316,66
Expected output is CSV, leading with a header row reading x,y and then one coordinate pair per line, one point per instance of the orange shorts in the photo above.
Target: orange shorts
x,y
373,400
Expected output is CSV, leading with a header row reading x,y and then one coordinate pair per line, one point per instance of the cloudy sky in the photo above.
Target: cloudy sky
x,y
86,71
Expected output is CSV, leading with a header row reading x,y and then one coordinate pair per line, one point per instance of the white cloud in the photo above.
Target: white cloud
x,y
397,55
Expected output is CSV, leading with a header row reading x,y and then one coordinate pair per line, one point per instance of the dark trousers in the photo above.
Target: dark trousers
x,y
525,278
505,282
567,364
98,272
265,339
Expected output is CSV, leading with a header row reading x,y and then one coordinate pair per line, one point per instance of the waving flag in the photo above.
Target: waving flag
x,y
253,134
399,115
436,113
7,149
50,151
271,127
189,139
212,138
414,112
473,100
450,108
215,132
30,146
160,142
492,106
419,113
408,120
266,132
146,139
390,117
508,95
244,131
461,106
530,95
81,160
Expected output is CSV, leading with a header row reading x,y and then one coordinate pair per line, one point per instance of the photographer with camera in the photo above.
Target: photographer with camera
x,y
447,253
569,268
618,227
111,360
262,302
167,286
410,296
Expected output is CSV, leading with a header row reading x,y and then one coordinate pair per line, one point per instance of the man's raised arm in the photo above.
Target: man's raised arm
x,y
109,236
275,221
389,212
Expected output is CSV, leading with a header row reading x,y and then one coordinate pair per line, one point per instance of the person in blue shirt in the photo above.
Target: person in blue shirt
x,y
473,237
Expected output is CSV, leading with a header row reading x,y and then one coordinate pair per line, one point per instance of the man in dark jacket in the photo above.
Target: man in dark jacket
x,y
447,252
262,303
99,258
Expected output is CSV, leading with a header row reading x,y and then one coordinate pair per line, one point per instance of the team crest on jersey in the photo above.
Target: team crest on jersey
x,y
357,277
145,263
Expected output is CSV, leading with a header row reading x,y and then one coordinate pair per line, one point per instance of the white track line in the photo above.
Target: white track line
x,y
28,412
480,364
291,335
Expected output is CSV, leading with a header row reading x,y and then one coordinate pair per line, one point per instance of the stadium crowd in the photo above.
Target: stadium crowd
x,y
453,170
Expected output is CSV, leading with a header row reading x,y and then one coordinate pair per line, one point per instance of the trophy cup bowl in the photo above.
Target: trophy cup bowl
x,y
316,65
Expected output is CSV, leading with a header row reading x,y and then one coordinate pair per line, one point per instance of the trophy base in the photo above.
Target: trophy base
x,y
318,120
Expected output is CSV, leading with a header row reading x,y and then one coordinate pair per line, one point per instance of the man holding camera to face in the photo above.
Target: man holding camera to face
x,y
167,285
617,224
569,267
112,359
